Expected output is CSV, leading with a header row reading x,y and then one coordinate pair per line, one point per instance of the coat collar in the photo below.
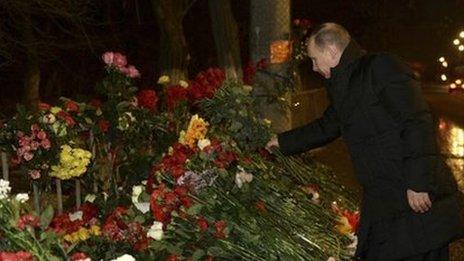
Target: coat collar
x,y
351,53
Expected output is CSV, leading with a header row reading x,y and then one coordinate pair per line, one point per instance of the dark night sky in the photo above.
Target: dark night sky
x,y
417,30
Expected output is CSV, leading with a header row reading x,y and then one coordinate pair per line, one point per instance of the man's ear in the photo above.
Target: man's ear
x,y
333,50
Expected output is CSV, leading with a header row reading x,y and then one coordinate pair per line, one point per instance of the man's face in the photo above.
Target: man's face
x,y
324,58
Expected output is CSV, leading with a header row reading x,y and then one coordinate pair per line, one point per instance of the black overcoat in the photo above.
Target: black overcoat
x,y
378,108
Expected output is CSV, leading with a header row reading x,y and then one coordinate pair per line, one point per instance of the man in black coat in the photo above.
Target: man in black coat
x,y
410,207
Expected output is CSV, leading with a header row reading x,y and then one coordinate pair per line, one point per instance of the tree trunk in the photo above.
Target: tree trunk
x,y
270,21
173,46
31,95
226,38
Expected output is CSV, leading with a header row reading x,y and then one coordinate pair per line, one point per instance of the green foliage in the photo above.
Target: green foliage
x,y
232,111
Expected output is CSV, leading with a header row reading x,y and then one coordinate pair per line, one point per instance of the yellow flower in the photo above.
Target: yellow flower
x,y
183,84
95,230
55,110
196,130
343,225
73,163
164,79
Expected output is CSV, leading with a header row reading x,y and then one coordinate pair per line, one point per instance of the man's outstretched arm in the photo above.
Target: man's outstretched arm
x,y
312,135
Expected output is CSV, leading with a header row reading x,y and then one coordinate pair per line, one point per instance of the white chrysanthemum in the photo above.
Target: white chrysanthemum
x,y
5,188
124,257
164,79
22,197
75,216
90,198
183,84
242,177
136,191
156,231
203,143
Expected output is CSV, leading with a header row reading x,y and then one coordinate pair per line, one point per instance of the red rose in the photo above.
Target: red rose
x,y
44,106
72,106
103,125
79,256
175,95
147,99
18,256
95,103
28,220
172,258
220,227
261,206
202,224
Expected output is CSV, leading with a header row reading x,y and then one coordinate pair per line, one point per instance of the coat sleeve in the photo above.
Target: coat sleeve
x,y
401,95
315,134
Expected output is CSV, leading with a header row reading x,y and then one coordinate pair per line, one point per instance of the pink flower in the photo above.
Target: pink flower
x,y
131,72
119,60
108,58
28,156
35,128
41,135
24,141
46,144
34,145
34,174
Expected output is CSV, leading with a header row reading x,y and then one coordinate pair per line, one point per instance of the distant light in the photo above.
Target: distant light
x,y
461,34
444,78
462,86
458,81
453,86
445,64
296,104
456,42
461,48
441,59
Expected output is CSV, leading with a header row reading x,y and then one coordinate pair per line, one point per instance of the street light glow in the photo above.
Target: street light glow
x,y
456,42
461,34
443,77
461,48
453,86
445,64
458,81
441,59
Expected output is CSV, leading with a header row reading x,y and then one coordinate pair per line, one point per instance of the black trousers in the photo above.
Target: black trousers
x,y
440,254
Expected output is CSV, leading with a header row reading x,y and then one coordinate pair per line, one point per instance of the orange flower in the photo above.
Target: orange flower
x,y
196,131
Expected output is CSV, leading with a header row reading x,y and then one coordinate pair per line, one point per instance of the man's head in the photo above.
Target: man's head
x,y
325,47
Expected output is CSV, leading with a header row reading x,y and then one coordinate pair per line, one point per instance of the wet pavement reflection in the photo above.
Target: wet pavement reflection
x,y
451,140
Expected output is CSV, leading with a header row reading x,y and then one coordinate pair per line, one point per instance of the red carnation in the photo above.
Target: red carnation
x,y
72,106
172,258
202,224
147,99
79,256
28,220
175,95
103,125
220,227
18,256
44,106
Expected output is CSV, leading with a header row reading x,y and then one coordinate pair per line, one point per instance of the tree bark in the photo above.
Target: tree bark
x,y
173,54
270,21
225,32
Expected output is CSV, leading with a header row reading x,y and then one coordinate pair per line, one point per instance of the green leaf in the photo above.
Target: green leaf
x,y
215,251
195,209
46,217
197,255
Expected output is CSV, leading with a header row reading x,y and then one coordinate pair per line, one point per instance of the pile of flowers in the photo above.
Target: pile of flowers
x,y
211,190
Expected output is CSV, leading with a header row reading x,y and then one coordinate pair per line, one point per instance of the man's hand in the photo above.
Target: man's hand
x,y
419,201
273,142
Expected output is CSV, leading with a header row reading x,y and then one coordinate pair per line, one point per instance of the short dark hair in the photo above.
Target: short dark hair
x,y
330,33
